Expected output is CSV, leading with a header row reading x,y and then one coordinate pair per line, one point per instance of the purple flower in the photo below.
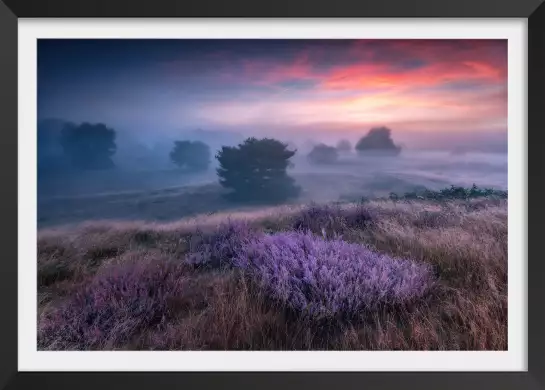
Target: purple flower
x,y
119,302
328,277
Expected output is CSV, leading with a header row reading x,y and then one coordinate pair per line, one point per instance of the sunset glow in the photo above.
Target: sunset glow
x,y
409,85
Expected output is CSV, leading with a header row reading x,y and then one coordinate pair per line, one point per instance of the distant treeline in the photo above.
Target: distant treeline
x,y
378,141
255,169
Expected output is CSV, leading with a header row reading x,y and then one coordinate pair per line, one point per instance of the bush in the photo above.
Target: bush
x,y
323,154
117,304
325,279
378,139
452,193
89,146
256,170
194,155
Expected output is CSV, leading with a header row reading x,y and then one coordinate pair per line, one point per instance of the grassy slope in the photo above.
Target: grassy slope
x,y
466,242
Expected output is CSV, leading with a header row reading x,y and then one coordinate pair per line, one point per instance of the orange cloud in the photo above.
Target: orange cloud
x,y
379,76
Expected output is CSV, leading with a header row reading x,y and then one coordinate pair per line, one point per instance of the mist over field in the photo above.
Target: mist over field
x,y
158,191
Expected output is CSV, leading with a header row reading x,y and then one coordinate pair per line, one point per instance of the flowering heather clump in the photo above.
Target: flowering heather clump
x,y
217,249
318,218
327,278
332,220
116,305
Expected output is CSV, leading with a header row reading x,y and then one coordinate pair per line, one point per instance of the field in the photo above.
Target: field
x,y
129,285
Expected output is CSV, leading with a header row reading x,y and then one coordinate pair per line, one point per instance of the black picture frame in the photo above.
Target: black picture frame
x,y
531,10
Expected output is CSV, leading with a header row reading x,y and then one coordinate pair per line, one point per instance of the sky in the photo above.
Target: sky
x,y
302,87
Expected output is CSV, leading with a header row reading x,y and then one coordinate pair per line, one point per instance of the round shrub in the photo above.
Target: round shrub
x,y
326,278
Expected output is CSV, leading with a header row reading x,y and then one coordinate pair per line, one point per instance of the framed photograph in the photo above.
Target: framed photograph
x,y
280,195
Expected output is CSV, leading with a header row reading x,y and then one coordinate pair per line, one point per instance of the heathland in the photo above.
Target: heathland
x,y
271,250
425,271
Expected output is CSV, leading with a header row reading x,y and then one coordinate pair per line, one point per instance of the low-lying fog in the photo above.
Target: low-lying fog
x,y
165,194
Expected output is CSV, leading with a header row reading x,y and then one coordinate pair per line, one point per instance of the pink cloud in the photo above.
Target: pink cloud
x,y
443,63
435,74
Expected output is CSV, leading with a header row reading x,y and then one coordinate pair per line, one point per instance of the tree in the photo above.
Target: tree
x,y
193,155
323,154
89,146
344,146
378,139
257,170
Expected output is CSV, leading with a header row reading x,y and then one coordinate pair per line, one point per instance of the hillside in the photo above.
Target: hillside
x,y
409,274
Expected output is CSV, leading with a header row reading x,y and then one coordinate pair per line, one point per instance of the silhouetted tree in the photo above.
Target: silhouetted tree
x,y
344,146
193,155
323,154
89,146
377,139
257,170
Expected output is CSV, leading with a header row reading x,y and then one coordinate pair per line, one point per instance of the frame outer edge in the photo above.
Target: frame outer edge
x,y
8,174
536,64
278,8
536,173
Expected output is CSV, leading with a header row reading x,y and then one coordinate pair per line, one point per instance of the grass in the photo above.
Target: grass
x,y
403,274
